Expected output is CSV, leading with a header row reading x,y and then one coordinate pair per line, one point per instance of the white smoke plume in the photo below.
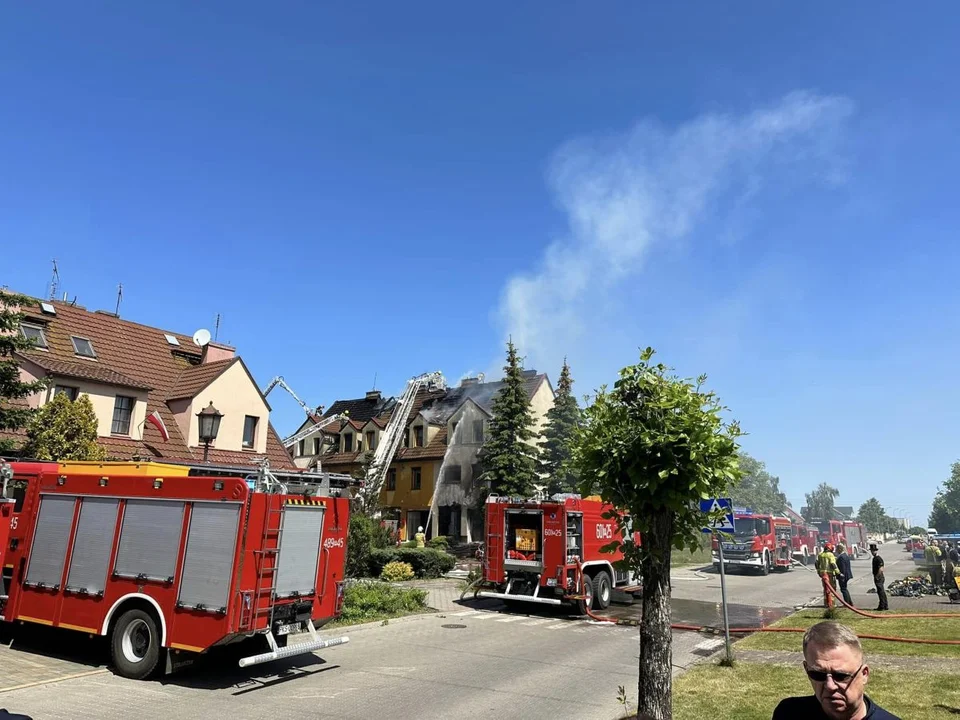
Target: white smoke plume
x,y
624,195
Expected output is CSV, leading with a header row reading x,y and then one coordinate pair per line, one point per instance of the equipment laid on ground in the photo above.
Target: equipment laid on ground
x,y
172,560
914,586
762,542
548,551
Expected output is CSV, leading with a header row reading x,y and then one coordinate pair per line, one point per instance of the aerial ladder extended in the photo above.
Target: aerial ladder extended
x,y
278,380
292,440
392,435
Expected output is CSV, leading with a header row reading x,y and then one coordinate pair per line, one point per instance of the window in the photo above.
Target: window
x,y
451,475
122,410
70,392
360,443
475,471
415,478
316,445
453,433
348,442
406,438
418,436
371,441
478,431
392,479
250,432
171,340
83,347
35,334
301,448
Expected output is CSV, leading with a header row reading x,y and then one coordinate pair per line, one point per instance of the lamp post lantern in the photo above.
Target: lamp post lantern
x,y
209,419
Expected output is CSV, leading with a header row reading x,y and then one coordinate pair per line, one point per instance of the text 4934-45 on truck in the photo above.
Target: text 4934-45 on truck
x,y
169,561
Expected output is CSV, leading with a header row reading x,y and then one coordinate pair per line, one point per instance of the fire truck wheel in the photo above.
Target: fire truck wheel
x,y
135,644
603,590
584,605
765,564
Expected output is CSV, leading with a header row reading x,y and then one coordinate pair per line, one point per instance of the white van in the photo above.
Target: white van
x,y
931,532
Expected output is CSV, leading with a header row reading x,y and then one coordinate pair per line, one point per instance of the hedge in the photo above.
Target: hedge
x,y
426,562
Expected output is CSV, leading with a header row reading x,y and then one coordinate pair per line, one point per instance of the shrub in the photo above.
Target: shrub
x,y
396,572
409,543
364,536
440,542
426,562
370,600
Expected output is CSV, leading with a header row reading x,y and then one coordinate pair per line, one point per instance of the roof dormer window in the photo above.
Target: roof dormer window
x,y
83,347
35,334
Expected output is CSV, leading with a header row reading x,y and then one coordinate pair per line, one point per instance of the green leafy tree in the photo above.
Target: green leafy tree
x,y
820,502
14,414
758,489
891,526
507,460
874,517
556,449
945,514
64,430
917,530
653,447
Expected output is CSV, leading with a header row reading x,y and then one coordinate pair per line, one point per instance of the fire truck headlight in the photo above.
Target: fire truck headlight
x,y
754,554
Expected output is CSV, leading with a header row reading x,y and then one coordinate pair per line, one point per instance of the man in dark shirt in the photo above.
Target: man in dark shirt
x,y
846,573
833,660
878,579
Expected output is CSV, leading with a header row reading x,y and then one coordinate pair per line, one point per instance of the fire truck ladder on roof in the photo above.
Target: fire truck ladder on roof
x,y
292,440
392,434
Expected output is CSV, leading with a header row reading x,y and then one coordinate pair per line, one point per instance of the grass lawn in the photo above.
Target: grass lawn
x,y
926,628
751,692
699,557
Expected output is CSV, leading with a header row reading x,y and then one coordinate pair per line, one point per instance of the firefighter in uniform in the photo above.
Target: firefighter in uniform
x,y
828,570
932,554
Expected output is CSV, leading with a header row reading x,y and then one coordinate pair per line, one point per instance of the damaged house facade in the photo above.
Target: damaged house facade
x,y
432,480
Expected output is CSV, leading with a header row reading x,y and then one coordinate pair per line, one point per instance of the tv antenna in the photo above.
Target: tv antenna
x,y
54,281
119,298
216,329
201,337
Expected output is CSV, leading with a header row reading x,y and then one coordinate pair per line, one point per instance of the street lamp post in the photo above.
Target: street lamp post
x,y
209,419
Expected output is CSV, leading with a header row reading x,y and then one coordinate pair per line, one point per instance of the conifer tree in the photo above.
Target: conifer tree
x,y
507,460
14,415
556,449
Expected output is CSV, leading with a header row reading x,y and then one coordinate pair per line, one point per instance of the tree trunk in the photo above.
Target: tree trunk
x,y
656,649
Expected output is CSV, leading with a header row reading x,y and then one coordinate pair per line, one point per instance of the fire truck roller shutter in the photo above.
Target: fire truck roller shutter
x,y
208,565
299,550
50,540
92,545
150,539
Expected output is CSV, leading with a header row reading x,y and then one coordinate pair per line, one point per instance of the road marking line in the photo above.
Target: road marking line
x,y
101,671
538,621
484,616
557,626
512,618
467,613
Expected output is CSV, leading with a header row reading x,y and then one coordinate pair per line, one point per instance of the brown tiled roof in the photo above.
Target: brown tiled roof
x,y
195,378
141,354
86,370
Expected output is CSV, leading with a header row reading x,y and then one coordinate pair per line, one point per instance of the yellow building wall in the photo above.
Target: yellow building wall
x,y
405,498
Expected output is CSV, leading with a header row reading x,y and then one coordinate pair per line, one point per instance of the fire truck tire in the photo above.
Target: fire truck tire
x,y
602,590
135,644
585,604
765,565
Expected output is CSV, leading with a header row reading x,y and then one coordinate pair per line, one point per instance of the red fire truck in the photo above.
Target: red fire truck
x,y
168,561
855,536
805,539
829,531
761,542
549,552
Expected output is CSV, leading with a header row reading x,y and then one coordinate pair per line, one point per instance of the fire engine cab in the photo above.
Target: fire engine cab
x,y
169,560
548,551
761,542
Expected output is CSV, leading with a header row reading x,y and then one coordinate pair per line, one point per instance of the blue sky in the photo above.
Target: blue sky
x,y
766,195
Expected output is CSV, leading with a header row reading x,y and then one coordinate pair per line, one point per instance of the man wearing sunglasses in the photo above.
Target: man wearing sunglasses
x,y
833,660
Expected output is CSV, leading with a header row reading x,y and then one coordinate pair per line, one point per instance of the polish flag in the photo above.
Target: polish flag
x,y
157,421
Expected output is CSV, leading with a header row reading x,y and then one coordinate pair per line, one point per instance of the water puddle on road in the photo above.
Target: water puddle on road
x,y
703,613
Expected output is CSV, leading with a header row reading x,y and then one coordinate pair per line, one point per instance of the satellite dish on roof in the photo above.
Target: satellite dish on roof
x,y
201,337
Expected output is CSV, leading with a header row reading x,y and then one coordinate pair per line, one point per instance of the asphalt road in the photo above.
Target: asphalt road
x,y
491,663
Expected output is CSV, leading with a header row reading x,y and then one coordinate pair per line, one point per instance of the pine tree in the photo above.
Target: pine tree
x,y
507,460
556,450
13,415
64,430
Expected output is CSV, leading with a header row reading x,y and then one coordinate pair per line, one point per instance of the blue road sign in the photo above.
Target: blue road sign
x,y
711,505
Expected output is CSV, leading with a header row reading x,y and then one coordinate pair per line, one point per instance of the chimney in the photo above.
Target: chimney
x,y
373,395
212,352
467,381
529,373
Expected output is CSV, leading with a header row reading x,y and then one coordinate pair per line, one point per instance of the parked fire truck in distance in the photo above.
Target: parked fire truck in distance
x,y
760,542
805,539
855,538
549,552
168,561
829,531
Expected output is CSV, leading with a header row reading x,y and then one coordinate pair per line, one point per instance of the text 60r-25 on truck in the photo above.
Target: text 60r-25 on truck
x,y
169,561
548,551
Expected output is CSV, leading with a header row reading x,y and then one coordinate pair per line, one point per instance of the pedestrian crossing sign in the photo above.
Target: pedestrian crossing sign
x,y
711,506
